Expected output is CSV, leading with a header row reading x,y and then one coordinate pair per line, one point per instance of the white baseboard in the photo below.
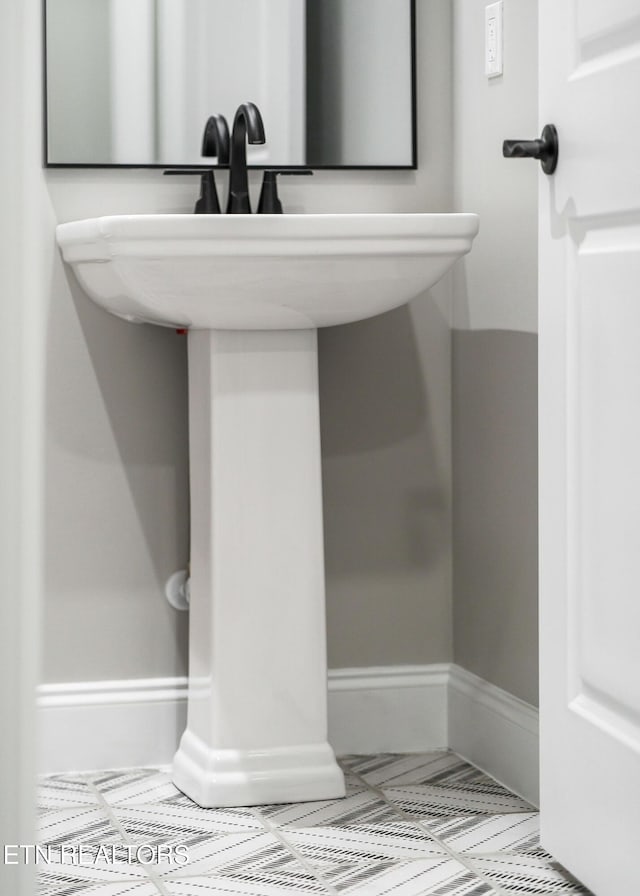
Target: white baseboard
x,y
404,709
495,731
383,709
115,724
110,724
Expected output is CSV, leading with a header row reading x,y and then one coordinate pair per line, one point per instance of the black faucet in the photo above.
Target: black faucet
x,y
269,202
215,142
215,139
247,125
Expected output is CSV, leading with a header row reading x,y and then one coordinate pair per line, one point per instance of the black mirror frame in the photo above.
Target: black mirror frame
x,y
414,135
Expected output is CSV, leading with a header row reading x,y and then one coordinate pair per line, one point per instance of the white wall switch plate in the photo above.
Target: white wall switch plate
x,y
493,40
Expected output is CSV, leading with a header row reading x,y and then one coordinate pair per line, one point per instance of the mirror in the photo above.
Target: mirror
x,y
132,82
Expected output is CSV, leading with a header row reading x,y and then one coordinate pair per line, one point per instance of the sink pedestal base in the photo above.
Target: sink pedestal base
x,y
257,715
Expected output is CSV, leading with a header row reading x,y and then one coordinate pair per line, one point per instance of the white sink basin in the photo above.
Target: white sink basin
x,y
272,272
252,291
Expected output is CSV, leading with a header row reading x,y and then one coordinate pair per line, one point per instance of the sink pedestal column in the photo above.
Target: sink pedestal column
x,y
257,715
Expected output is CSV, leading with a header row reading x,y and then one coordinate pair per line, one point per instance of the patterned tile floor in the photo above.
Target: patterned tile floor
x,y
410,825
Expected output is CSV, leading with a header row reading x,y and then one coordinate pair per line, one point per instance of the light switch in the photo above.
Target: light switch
x,y
493,40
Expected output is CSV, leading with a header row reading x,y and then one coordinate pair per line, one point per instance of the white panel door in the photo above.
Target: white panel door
x,y
590,442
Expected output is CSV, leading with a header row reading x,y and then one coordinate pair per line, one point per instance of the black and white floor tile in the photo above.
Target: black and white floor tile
x,y
137,786
393,843
215,885
361,827
443,876
53,885
428,802
513,833
60,879
410,825
65,791
176,823
391,769
526,875
255,855
356,810
89,825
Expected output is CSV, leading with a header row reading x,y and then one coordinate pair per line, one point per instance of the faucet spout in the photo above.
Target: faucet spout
x,y
215,139
247,125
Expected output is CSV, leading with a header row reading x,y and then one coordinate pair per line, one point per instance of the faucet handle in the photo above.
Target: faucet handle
x,y
207,203
269,203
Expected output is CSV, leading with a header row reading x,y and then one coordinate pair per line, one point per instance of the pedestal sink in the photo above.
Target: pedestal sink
x,y
252,291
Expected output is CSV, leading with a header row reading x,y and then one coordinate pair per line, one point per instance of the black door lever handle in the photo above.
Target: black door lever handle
x,y
545,149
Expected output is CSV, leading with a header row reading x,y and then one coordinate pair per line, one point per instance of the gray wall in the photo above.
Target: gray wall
x,y
116,452
358,72
495,356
